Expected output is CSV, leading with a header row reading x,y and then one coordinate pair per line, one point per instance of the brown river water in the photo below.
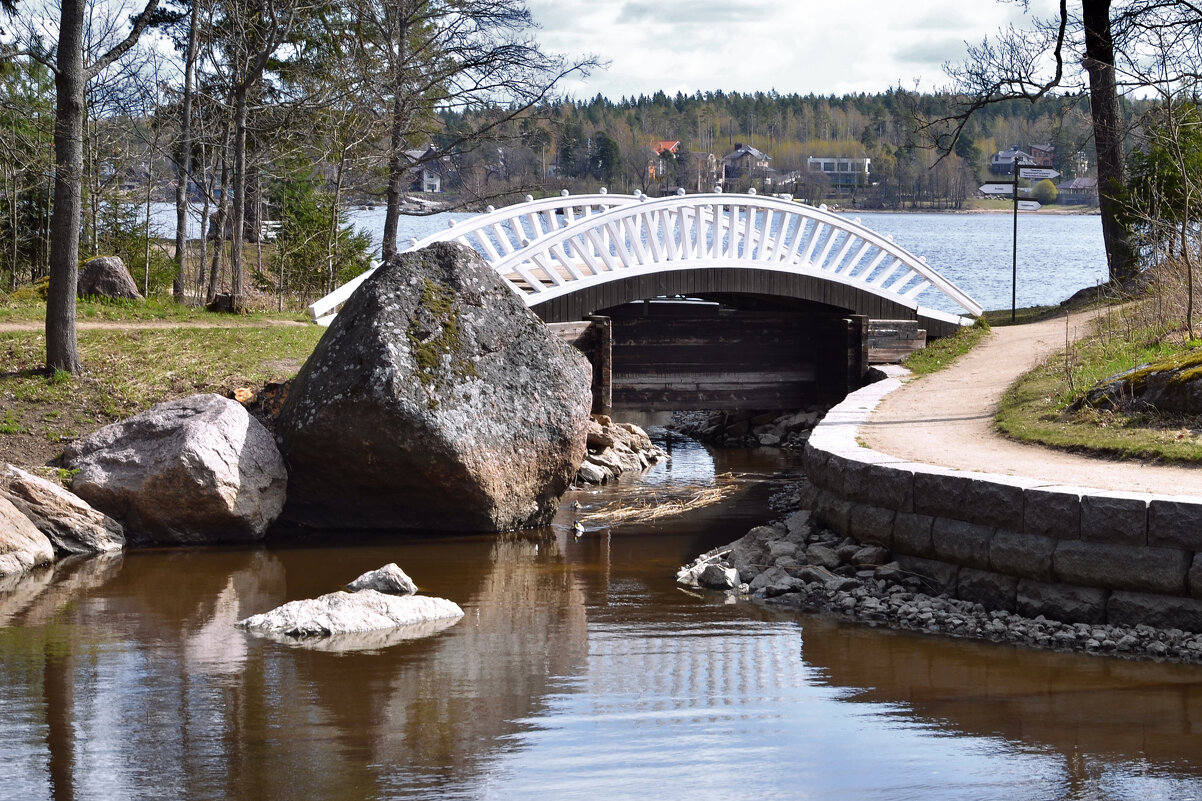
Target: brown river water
x,y
580,671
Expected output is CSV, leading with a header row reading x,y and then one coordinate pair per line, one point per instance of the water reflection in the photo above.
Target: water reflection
x,y
1088,710
578,670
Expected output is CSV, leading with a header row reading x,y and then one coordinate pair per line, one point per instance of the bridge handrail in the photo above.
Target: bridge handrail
x,y
492,220
541,254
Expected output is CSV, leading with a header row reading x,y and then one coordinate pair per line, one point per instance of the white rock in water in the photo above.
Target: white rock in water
x,y
346,613
389,579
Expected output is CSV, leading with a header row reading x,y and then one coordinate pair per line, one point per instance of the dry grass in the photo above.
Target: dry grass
x,y
127,371
649,506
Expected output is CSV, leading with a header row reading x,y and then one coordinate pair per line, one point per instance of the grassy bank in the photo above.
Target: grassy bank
x,y
27,306
129,370
1043,406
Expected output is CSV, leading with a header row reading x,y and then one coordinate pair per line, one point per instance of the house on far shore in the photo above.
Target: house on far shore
x,y
427,172
1043,155
744,161
1002,162
840,171
662,147
1078,192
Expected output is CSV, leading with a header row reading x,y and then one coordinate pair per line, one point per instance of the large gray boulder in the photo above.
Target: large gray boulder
x,y
106,277
71,525
435,401
22,546
190,471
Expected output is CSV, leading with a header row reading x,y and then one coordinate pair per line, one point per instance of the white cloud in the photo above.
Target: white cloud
x,y
799,46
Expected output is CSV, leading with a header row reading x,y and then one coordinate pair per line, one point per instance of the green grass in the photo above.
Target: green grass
x,y
1029,314
1041,407
940,353
25,307
10,424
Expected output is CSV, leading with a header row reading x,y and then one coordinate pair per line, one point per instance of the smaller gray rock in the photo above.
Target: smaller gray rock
x,y
390,580
770,577
22,546
106,277
718,577
71,525
824,556
798,524
589,473
870,556
782,548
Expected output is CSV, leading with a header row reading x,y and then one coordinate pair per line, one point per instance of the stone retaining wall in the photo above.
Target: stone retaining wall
x,y
1070,553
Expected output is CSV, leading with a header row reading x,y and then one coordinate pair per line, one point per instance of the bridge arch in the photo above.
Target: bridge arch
x,y
602,246
755,302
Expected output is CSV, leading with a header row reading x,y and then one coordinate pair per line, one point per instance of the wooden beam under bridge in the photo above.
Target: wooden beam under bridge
x,y
667,355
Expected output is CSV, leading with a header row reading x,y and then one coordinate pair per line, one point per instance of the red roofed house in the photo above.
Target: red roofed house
x,y
660,148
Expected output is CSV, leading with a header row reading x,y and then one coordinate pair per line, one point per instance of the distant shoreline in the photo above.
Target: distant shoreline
x,y
1075,211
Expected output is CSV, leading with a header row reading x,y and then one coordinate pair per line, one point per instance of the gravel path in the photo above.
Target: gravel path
x,y
946,418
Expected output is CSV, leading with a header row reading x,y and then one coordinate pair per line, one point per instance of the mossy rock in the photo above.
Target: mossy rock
x,y
1169,385
36,291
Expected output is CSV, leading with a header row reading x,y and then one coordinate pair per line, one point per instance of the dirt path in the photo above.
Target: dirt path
x,y
946,418
102,325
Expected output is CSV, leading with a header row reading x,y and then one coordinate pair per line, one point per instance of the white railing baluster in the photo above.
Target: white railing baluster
x,y
588,239
815,234
850,267
821,263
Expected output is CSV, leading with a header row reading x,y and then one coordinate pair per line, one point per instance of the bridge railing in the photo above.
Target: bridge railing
x,y
722,229
496,234
554,246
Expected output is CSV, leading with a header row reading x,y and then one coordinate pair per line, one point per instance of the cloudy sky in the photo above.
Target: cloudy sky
x,y
802,46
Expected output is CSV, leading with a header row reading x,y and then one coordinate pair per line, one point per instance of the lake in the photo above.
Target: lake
x,y
1058,254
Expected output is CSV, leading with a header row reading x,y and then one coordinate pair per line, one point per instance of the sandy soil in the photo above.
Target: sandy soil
x,y
946,418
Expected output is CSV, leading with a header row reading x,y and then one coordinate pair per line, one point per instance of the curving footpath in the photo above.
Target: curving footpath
x,y
946,418
916,466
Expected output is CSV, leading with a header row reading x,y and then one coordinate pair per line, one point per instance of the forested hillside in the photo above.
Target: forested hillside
x,y
586,143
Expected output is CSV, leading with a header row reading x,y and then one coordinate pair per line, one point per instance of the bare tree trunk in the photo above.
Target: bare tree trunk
x,y
93,237
208,177
146,228
397,168
1108,138
184,171
62,348
239,192
222,222
332,241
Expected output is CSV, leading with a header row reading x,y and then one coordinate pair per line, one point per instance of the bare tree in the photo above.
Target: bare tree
x,y
1166,190
423,56
73,68
1098,46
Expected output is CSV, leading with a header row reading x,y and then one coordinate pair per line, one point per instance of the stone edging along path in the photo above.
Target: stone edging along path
x,y
1028,545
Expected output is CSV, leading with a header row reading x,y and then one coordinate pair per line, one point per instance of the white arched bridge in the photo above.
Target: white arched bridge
x,y
556,248
749,301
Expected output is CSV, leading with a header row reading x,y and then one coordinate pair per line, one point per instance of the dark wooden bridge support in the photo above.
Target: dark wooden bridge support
x,y
594,338
667,355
